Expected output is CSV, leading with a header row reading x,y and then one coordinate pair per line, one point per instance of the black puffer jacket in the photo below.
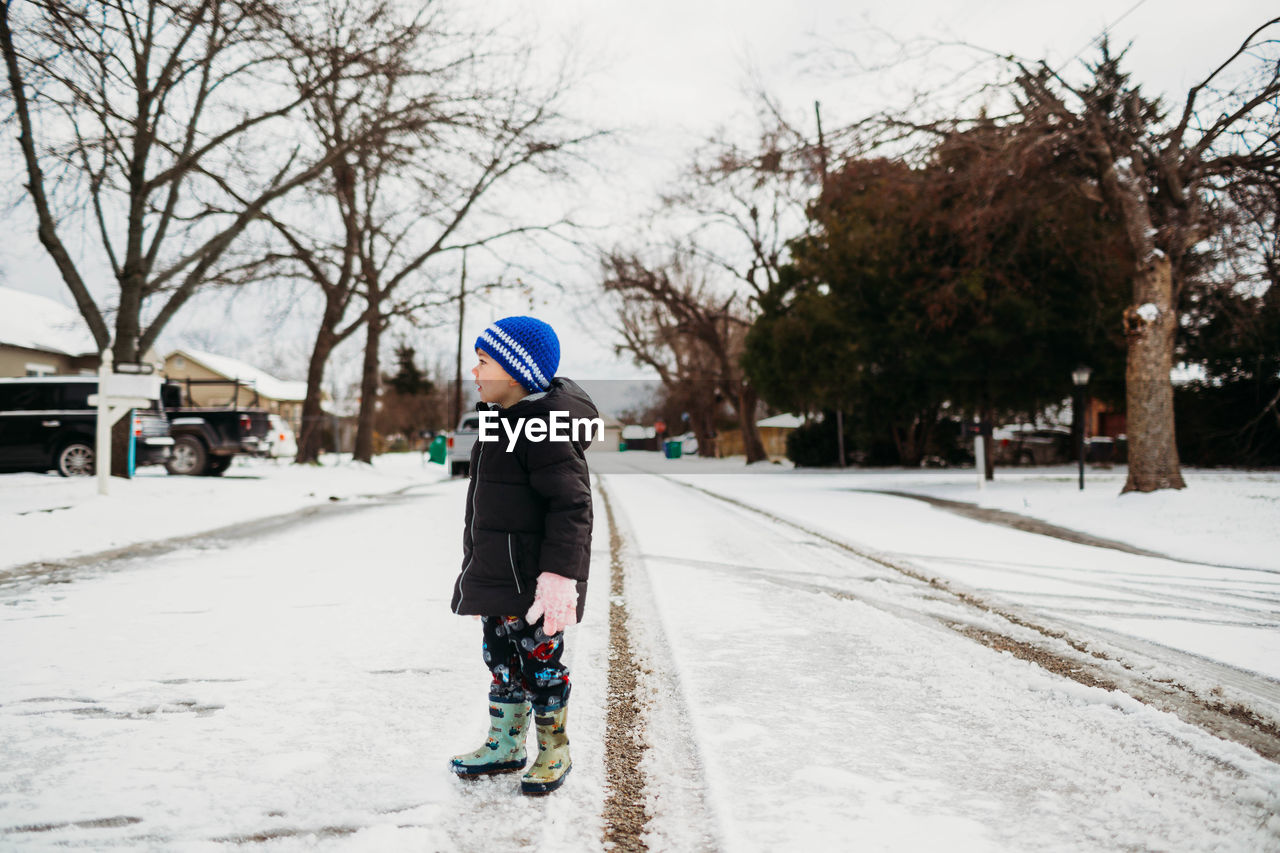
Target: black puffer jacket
x,y
528,509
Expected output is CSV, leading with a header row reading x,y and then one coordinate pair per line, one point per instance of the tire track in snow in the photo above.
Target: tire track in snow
x,y
1030,524
646,702
1057,650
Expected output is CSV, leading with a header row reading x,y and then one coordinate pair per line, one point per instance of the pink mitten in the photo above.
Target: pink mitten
x,y
555,601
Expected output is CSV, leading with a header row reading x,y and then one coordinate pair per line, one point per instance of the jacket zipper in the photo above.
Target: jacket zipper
x,y
515,574
462,580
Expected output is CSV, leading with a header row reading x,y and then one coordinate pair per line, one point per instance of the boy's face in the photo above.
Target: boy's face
x,y
495,384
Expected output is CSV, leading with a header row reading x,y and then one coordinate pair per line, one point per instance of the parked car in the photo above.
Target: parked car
x,y
207,438
688,443
639,437
461,442
283,443
1031,445
46,423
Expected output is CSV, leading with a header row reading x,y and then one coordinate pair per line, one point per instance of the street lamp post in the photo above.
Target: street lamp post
x,y
1080,378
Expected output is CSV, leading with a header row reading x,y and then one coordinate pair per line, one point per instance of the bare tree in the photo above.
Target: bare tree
x,y
510,130
323,240
1157,173
734,209
166,123
672,320
398,200
747,201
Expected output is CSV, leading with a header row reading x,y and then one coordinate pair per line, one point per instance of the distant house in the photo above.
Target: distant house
x,y
41,337
774,432
221,381
773,435
612,434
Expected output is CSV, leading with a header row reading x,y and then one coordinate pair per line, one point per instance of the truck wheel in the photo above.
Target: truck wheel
x,y
458,469
1026,459
75,460
217,466
189,456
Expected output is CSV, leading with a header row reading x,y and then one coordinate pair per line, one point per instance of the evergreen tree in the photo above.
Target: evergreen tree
x,y
973,283
409,379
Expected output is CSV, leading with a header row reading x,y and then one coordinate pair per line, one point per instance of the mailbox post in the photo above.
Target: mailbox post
x,y
118,394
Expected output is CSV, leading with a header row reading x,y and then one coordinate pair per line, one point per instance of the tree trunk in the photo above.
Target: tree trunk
x,y
1150,326
707,438
311,437
752,444
905,441
128,320
369,387
912,440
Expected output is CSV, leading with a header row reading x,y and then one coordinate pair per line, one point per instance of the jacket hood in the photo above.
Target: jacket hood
x,y
562,395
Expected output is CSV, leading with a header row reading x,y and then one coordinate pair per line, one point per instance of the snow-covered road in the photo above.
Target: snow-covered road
x,y
304,688
830,700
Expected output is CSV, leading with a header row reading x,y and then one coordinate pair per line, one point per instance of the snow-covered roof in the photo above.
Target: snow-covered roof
x,y
784,421
638,431
263,382
1184,373
40,323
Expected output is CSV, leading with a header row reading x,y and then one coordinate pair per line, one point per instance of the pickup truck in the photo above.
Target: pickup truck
x,y
207,438
461,442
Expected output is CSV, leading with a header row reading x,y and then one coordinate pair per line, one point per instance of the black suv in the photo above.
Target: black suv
x,y
47,423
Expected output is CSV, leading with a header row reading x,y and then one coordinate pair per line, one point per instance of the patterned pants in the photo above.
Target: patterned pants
x,y
525,663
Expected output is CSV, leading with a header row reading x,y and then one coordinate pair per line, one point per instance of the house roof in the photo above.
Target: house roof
x,y
263,382
39,323
784,421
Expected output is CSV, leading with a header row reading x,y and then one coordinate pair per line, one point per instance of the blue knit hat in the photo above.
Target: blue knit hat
x,y
527,349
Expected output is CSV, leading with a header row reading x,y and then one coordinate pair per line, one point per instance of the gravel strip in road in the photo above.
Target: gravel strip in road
x,y
625,819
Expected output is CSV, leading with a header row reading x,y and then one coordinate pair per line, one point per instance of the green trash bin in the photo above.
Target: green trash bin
x,y
439,450
674,449
622,445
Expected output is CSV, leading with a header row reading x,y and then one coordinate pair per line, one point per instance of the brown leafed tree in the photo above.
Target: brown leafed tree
x,y
164,128
1158,172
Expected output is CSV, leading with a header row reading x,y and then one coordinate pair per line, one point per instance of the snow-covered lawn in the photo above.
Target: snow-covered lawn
x,y
46,517
1223,517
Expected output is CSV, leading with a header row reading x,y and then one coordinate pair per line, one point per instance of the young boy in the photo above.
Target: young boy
x,y
526,546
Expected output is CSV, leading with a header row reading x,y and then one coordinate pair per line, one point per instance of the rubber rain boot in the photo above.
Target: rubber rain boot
x,y
503,750
553,764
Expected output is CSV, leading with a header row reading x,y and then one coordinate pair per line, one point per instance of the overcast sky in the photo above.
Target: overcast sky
x,y
667,73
